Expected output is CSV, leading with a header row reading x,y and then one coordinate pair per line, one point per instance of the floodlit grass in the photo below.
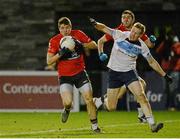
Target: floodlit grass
x,y
113,125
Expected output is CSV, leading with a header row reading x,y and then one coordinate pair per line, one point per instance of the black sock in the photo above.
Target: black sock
x,y
102,99
68,108
94,121
138,105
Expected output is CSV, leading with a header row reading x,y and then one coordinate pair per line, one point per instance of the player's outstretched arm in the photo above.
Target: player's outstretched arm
x,y
100,26
155,65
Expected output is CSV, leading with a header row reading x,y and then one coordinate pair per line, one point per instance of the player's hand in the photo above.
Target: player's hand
x,y
103,57
92,21
168,79
152,38
63,51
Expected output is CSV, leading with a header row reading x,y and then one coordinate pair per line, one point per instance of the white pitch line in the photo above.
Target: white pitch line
x,y
76,129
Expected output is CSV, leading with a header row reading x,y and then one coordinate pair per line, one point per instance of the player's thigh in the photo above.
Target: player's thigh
x,y
136,88
142,82
122,91
66,91
86,92
112,96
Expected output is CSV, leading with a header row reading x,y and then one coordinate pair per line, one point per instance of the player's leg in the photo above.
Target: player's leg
x,y
67,98
85,88
86,91
137,89
122,91
112,98
114,87
141,115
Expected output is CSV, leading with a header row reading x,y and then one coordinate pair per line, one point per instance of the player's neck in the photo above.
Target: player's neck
x,y
132,40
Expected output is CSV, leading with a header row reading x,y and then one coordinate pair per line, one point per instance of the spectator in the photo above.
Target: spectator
x,y
169,51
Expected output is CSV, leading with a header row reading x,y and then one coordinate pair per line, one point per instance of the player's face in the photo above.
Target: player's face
x,y
65,30
127,20
135,34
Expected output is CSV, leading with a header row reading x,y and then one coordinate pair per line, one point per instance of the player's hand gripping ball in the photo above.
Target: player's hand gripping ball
x,y
67,42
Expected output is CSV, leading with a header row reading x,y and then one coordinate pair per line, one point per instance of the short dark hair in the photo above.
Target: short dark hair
x,y
130,13
64,20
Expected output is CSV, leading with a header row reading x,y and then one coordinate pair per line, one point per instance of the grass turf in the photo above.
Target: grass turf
x,y
113,125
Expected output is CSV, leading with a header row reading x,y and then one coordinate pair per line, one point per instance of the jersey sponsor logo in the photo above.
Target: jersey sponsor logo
x,y
128,48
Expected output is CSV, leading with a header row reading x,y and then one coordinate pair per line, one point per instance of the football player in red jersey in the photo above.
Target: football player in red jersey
x,y
127,19
71,69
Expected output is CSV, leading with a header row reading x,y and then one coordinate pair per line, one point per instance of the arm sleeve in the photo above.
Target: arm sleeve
x,y
53,46
108,37
145,51
144,37
117,34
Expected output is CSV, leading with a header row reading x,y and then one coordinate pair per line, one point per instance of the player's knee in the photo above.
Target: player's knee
x,y
143,83
101,40
88,99
111,107
67,103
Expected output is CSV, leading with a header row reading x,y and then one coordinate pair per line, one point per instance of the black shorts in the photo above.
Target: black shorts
x,y
118,79
78,80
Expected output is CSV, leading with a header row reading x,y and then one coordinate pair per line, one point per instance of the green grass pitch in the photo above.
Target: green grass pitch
x,y
113,125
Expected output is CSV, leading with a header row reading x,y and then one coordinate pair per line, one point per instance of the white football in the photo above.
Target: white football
x,y
68,42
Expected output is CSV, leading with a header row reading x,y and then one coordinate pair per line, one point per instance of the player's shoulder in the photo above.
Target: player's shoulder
x,y
77,31
142,42
80,35
56,37
125,33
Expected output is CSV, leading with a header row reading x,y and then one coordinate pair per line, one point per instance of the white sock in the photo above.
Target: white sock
x,y
106,103
150,120
98,102
94,126
140,112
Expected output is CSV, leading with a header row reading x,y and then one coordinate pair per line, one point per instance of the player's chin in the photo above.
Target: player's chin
x,y
126,24
66,34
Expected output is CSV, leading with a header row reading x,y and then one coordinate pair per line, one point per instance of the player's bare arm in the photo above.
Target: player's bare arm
x,y
100,26
155,65
101,42
52,59
103,28
91,45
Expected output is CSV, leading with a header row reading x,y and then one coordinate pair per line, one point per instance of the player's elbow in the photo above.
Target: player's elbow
x,y
49,62
102,40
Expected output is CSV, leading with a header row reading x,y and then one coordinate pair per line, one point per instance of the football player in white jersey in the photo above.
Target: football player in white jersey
x,y
122,67
127,21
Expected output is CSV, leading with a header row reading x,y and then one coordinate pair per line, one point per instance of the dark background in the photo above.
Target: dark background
x,y
26,26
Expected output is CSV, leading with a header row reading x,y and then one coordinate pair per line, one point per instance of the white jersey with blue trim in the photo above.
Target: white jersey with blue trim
x,y
125,52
